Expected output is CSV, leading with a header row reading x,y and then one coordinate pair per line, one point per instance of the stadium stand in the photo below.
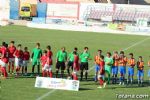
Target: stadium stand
x,y
120,15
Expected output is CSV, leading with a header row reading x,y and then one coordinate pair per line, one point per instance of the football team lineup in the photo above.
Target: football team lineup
x,y
127,67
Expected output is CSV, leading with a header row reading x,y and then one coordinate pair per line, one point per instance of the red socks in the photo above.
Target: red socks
x,y
50,74
75,77
3,69
17,70
43,73
101,81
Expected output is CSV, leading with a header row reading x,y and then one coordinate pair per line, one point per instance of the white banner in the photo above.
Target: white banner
x,y
55,83
62,10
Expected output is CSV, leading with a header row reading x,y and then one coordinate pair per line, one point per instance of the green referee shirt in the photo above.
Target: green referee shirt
x,y
84,56
61,56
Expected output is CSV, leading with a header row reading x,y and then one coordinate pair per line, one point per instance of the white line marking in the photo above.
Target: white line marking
x,y
137,43
45,95
50,92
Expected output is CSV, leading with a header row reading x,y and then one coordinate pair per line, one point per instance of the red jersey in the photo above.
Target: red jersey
x,y
102,69
18,54
43,60
76,63
11,49
49,61
49,54
26,55
4,52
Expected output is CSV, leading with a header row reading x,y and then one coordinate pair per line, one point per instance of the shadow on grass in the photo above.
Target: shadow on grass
x,y
85,89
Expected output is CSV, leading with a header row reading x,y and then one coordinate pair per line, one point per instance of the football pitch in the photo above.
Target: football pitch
x,y
23,88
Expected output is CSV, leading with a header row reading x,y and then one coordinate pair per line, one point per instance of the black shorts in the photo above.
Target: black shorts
x,y
84,65
70,64
60,65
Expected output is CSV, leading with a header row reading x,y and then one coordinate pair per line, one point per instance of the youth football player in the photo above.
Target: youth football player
x,y
11,49
149,70
108,64
131,64
70,61
101,73
26,57
140,73
97,64
115,67
84,66
4,58
43,60
35,58
49,61
122,67
75,65
61,59
18,54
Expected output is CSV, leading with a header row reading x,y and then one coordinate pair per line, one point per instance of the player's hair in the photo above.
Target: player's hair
x,y
44,51
109,53
3,43
12,42
140,56
62,47
102,57
6,45
75,48
131,54
38,44
74,52
25,48
99,50
48,47
121,52
19,45
116,52
86,48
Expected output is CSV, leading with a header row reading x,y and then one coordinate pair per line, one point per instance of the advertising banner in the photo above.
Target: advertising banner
x,y
55,83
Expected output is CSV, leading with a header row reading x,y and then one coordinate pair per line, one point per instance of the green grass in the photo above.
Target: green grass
x,y
23,88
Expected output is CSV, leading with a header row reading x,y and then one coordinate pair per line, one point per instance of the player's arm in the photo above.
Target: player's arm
x,y
112,61
148,63
57,55
32,55
66,57
14,54
133,63
29,54
137,64
40,53
89,57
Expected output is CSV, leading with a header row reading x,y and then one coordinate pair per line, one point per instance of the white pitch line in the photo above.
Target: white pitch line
x,y
50,92
137,43
45,95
